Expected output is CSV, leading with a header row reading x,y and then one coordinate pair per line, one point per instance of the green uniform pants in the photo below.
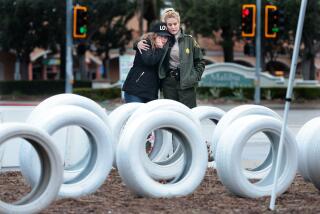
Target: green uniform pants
x,y
171,90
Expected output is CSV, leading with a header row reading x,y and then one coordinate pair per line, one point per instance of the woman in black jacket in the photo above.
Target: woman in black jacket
x,y
142,82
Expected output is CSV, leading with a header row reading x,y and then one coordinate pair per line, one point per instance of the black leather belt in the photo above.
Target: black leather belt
x,y
174,73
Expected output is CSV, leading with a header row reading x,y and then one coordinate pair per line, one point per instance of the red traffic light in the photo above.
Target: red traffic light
x,y
245,12
248,20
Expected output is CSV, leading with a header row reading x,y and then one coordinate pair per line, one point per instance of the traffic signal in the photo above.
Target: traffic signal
x,y
281,21
271,21
248,24
80,22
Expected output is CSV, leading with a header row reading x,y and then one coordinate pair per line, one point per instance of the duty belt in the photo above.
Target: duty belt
x,y
174,73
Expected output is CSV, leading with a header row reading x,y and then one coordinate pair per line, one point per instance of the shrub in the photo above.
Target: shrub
x,y
266,93
99,94
37,87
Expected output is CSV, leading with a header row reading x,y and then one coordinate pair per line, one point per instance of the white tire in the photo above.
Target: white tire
x,y
71,99
169,105
230,147
98,165
208,113
163,147
307,137
68,99
308,143
46,190
165,104
132,170
234,114
118,118
168,170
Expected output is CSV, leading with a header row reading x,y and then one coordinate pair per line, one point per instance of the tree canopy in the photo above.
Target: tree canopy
x,y
26,24
204,17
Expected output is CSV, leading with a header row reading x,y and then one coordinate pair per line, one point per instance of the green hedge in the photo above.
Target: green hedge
x,y
99,94
37,87
47,88
266,93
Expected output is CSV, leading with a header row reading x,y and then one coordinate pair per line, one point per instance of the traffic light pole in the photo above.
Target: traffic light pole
x,y
69,61
258,54
293,67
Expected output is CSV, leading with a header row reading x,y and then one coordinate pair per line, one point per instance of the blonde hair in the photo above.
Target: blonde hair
x,y
170,13
152,37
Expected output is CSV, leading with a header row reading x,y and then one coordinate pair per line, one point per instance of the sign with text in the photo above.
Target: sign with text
x,y
232,75
125,64
227,79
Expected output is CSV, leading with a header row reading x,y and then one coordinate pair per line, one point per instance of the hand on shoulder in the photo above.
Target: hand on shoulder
x,y
142,45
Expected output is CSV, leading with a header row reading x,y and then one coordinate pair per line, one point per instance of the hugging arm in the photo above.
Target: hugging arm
x,y
152,56
141,45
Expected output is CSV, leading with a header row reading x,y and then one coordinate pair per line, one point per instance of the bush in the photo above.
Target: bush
x,y
43,89
99,94
266,93
49,88
37,87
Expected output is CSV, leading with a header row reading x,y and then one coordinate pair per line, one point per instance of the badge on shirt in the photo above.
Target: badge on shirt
x,y
187,50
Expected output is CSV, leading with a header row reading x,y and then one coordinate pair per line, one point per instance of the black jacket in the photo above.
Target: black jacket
x,y
142,79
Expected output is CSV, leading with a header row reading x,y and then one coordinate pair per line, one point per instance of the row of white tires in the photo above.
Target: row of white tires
x,y
93,167
179,155
228,141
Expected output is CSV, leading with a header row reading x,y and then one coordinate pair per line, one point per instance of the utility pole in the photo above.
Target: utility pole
x,y
293,68
258,54
69,62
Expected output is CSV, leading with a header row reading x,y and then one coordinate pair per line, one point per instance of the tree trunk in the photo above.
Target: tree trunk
x,y
24,62
308,69
307,64
312,70
228,51
81,52
106,65
63,61
24,69
17,73
227,44
82,68
141,12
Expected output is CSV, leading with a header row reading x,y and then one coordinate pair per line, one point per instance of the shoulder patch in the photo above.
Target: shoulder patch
x,y
195,43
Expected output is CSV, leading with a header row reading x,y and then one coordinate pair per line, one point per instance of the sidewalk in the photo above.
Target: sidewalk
x,y
19,103
228,104
273,104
